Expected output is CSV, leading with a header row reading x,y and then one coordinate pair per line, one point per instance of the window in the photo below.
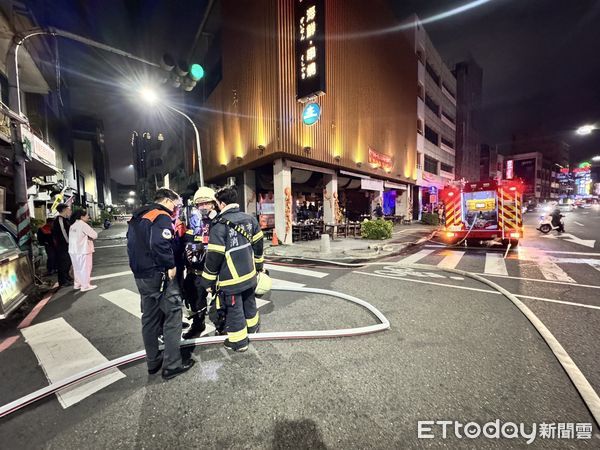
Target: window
x,y
419,126
432,73
432,105
447,142
419,166
431,135
431,165
420,91
446,168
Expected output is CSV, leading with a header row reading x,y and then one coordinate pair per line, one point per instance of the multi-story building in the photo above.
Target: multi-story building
x,y
91,159
46,137
540,174
436,117
306,112
469,81
491,163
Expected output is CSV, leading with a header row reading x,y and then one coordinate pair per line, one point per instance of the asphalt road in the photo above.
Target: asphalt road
x,y
456,351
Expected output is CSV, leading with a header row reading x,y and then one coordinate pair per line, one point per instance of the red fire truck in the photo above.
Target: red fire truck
x,y
483,211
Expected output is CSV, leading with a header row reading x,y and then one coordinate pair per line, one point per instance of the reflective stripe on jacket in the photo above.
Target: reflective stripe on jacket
x,y
232,260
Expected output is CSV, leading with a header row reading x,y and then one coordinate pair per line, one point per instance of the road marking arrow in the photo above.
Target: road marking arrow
x,y
574,239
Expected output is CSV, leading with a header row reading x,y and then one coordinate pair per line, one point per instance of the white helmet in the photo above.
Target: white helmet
x,y
263,285
204,195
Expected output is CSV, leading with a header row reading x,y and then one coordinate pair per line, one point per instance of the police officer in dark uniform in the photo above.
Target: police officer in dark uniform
x,y
151,258
235,254
196,244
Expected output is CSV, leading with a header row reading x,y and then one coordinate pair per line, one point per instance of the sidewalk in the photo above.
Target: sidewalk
x,y
352,249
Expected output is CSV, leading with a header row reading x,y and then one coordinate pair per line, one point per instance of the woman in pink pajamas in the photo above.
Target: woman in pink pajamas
x,y
81,249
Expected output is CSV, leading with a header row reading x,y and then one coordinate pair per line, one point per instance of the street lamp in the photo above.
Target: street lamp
x,y
131,193
585,130
596,158
151,97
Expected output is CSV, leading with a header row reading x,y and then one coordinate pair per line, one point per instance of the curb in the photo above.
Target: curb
x,y
359,260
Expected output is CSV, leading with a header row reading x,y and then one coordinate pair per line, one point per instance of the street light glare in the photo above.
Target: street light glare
x,y
131,193
585,129
596,158
149,95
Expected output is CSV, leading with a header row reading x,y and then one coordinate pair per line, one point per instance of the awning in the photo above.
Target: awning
x,y
390,185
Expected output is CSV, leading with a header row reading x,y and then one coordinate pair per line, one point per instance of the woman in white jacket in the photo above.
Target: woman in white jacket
x,y
81,248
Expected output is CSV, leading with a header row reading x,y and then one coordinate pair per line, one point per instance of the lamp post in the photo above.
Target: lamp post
x,y
151,97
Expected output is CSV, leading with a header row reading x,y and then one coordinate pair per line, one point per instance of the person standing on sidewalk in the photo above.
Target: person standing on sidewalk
x,y
81,249
44,237
234,255
151,259
60,236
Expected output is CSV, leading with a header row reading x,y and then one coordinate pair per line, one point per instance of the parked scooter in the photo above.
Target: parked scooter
x,y
545,225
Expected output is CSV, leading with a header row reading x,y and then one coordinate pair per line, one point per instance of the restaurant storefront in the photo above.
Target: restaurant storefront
x,y
297,121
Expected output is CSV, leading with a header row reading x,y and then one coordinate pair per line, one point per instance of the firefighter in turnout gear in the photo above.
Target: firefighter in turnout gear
x,y
196,243
235,254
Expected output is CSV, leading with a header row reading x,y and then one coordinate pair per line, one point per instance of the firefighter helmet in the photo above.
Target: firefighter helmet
x,y
204,195
264,284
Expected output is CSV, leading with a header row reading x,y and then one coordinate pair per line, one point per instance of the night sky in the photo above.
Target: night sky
x,y
540,61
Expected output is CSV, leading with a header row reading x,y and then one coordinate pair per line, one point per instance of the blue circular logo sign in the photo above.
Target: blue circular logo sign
x,y
311,114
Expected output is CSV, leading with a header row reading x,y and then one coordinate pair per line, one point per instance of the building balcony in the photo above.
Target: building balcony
x,y
448,122
448,94
447,148
421,72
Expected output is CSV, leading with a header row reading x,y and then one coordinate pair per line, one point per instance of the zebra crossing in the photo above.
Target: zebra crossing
x,y
61,350
526,263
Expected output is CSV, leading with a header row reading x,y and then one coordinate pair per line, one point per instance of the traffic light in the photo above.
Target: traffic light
x,y
181,73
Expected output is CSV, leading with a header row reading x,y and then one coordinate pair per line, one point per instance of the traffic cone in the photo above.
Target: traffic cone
x,y
274,240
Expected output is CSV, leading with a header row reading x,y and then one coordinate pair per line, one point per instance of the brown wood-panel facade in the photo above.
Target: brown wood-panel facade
x,y
370,100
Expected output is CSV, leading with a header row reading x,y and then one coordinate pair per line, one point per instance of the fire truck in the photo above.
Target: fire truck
x,y
483,211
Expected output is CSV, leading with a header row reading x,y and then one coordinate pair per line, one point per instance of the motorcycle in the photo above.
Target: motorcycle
x,y
545,226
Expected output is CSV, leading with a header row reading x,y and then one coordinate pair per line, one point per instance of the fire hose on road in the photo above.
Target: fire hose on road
x,y
132,357
581,384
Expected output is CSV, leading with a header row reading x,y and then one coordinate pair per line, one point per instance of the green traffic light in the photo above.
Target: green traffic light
x,y
196,71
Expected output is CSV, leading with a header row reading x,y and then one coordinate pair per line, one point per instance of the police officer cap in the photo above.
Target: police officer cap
x,y
204,195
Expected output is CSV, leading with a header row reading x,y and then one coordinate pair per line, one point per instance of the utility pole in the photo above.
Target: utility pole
x,y
14,95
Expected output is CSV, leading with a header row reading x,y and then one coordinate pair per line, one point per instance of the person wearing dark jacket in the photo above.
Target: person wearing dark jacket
x,y
44,237
234,255
196,245
60,237
152,261
557,221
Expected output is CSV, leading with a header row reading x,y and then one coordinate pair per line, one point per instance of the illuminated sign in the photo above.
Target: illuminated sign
x,y
488,204
510,169
35,147
310,48
15,278
311,114
377,159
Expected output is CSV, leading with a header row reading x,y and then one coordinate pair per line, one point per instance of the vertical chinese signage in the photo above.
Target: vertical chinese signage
x,y
310,48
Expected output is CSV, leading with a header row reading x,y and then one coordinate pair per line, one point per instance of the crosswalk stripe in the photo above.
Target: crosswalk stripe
x,y
451,259
416,257
296,270
495,264
125,299
550,270
62,351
